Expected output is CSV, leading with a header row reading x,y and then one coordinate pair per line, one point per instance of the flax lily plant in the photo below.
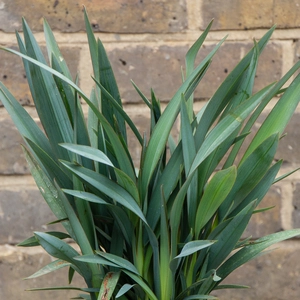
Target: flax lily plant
x,y
171,227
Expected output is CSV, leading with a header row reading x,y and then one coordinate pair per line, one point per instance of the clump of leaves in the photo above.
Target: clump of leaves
x,y
165,229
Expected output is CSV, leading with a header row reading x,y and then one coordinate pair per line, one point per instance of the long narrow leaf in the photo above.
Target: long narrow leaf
x,y
108,187
278,118
162,130
214,194
53,266
250,252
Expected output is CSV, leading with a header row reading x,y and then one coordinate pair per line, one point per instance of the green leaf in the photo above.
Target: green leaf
x,y
24,122
124,289
47,99
278,118
53,266
168,180
110,260
57,288
108,187
59,249
88,152
194,246
108,81
244,90
260,190
249,174
190,62
215,193
142,284
274,91
253,250
199,297
53,49
120,110
225,92
48,191
229,236
230,286
166,281
226,126
108,285
92,44
32,241
189,153
50,166
143,97
86,196
161,132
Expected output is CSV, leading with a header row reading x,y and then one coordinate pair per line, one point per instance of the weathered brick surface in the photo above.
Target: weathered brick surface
x,y
269,67
151,60
19,263
159,67
286,13
273,276
12,160
249,14
289,144
105,15
261,275
13,76
149,67
269,221
22,211
296,206
141,119
243,14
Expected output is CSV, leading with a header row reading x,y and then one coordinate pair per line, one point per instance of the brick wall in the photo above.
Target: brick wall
x,y
146,41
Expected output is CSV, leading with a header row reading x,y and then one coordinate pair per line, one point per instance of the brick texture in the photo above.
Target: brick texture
x,y
105,15
269,67
261,275
159,67
250,14
12,72
296,206
149,67
243,14
269,221
147,41
289,144
22,211
13,76
286,13
21,263
12,160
